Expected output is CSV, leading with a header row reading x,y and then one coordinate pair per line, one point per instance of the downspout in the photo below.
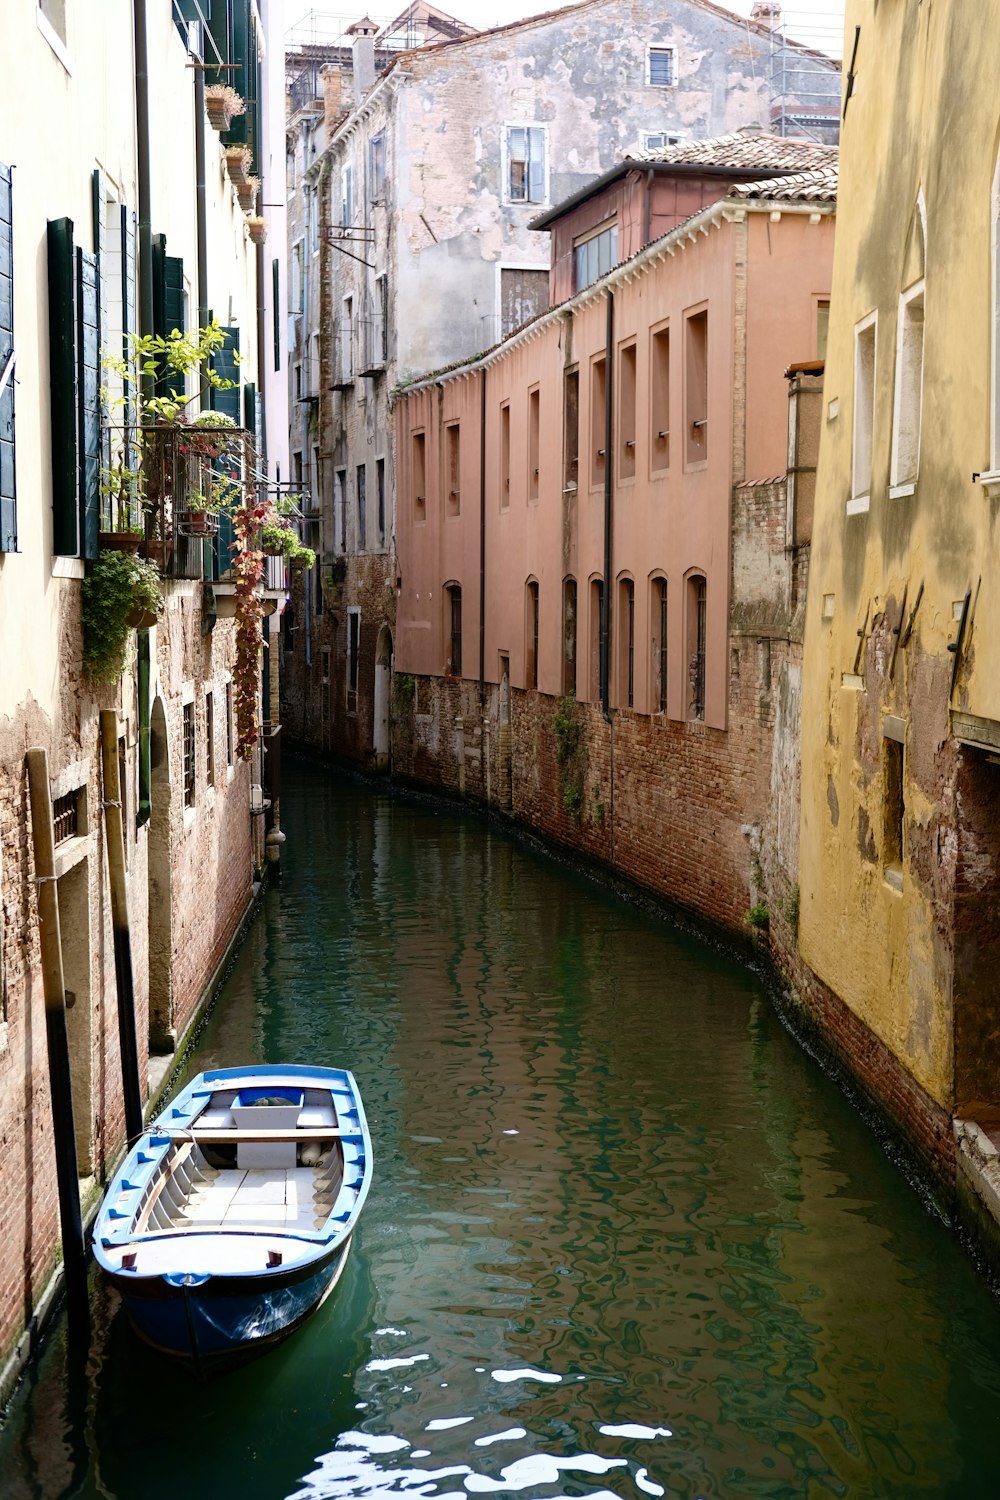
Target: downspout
x,y
115,842
145,247
609,517
201,210
608,503
482,537
647,210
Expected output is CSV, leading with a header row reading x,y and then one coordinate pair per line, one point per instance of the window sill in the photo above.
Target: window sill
x,y
990,482
902,491
892,876
67,567
858,505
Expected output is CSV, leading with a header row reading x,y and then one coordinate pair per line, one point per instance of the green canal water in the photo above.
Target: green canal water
x,y
624,1238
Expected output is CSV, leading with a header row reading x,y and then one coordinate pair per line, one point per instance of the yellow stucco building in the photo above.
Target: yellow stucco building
x,y
900,848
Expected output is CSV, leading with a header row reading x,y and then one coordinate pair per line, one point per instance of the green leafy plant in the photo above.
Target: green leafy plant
x,y
792,908
572,800
758,918
118,592
569,753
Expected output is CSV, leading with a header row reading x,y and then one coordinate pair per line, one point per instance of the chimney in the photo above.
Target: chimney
x,y
767,13
333,108
363,52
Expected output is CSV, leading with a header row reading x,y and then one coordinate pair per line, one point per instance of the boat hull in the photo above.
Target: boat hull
x,y
223,1319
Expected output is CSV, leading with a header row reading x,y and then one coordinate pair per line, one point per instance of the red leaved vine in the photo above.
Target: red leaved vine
x,y
248,566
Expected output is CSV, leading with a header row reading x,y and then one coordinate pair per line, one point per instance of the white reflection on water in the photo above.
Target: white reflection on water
x,y
440,1424
634,1430
501,1437
394,1364
541,1468
507,1375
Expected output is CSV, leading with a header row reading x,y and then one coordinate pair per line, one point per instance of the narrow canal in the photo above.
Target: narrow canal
x,y
624,1238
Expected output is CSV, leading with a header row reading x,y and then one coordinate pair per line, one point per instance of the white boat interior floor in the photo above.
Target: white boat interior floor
x,y
257,1198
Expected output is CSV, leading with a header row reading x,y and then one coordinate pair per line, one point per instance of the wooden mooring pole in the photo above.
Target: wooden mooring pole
x,y
57,1039
115,829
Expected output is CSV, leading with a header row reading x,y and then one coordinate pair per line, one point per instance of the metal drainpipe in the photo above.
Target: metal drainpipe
x,y
608,504
482,537
201,208
142,177
647,210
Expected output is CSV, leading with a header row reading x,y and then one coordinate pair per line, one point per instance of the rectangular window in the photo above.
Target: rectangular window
x,y
660,72
346,196
297,289
453,451
696,387
909,388
376,167
569,637
380,494
8,492
660,644
454,667
380,333
525,164
697,637
822,327
892,769
362,499
353,658
571,430
188,753
346,342
864,410
598,389
595,255
626,413
534,405
596,638
209,739
230,746
340,510
659,400
658,140
531,643
625,628
419,477
505,455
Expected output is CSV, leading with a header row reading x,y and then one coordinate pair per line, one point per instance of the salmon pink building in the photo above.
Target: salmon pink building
x,y
601,563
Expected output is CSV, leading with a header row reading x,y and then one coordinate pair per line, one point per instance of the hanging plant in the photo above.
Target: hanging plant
x,y
238,159
248,568
120,593
222,104
247,192
257,227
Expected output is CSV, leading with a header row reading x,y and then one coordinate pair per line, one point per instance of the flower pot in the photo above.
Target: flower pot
x,y
198,523
158,550
142,619
257,228
247,193
238,160
120,541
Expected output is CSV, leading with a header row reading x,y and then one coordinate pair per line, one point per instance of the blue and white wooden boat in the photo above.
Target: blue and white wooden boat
x,y
231,1219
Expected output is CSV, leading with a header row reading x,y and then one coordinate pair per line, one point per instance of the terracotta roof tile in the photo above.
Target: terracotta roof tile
x,y
816,186
745,150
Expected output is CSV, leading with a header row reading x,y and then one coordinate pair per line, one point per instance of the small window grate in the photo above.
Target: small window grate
x,y
65,817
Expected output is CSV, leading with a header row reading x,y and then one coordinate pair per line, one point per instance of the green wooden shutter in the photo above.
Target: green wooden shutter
x,y
173,292
100,196
88,384
62,388
8,493
250,413
229,401
220,28
240,77
159,255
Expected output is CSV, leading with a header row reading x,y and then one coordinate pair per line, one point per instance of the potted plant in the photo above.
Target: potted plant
x,y
280,539
257,226
247,193
238,159
206,434
222,104
120,593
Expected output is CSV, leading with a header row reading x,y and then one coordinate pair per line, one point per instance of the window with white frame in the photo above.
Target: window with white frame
x,y
525,165
659,140
346,196
909,388
595,254
660,67
864,411
297,289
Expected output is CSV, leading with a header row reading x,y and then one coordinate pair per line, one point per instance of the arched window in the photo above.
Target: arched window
x,y
453,623
697,622
658,635
531,635
626,643
569,637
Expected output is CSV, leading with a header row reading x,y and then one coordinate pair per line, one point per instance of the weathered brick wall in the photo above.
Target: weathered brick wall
x,y
211,870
